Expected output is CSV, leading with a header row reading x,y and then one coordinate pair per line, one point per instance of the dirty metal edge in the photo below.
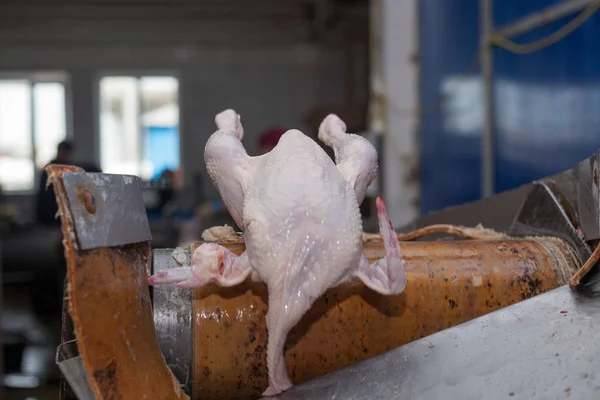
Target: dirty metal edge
x,y
107,209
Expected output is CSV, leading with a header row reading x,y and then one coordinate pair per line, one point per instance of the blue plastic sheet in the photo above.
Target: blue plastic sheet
x,y
547,103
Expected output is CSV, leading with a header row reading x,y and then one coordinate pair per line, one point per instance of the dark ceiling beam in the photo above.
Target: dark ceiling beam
x,y
171,25
39,14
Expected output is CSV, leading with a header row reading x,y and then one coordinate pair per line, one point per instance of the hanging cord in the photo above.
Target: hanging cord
x,y
477,233
518,48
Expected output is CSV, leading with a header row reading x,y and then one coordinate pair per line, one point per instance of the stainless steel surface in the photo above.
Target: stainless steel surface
x,y
576,190
487,70
579,187
546,347
70,364
67,335
546,16
108,210
542,215
173,313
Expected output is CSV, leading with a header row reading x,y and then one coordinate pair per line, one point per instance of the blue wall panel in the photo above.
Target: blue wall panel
x,y
547,103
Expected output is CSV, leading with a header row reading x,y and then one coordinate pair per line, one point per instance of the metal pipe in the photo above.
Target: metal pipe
x,y
543,17
449,283
487,143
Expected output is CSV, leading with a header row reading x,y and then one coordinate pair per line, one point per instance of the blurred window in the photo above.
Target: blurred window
x,y
33,120
139,125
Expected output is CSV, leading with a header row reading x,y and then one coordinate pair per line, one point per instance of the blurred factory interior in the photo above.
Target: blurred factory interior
x,y
132,87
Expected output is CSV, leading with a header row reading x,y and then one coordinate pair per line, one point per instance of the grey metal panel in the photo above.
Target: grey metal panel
x,y
546,347
115,214
542,214
70,363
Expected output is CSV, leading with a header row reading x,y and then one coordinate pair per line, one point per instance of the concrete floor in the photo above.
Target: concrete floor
x,y
43,336
44,393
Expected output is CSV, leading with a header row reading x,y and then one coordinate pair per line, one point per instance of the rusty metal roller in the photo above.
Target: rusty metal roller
x,y
215,338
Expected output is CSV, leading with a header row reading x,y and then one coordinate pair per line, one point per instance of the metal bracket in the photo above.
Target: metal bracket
x,y
108,210
542,215
70,364
105,210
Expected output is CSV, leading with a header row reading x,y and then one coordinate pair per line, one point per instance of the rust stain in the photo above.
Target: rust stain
x,y
87,199
107,378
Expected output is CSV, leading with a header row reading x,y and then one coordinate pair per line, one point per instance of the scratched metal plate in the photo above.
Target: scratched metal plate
x,y
108,209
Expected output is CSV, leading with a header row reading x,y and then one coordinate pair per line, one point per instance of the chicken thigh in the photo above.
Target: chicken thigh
x,y
303,231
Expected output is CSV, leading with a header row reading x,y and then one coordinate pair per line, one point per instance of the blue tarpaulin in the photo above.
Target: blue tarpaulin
x,y
547,104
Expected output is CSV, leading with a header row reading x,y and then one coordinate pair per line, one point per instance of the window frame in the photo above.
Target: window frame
x,y
34,77
137,74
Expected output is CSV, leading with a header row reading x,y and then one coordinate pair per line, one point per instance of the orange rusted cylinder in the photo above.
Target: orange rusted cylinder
x,y
448,283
